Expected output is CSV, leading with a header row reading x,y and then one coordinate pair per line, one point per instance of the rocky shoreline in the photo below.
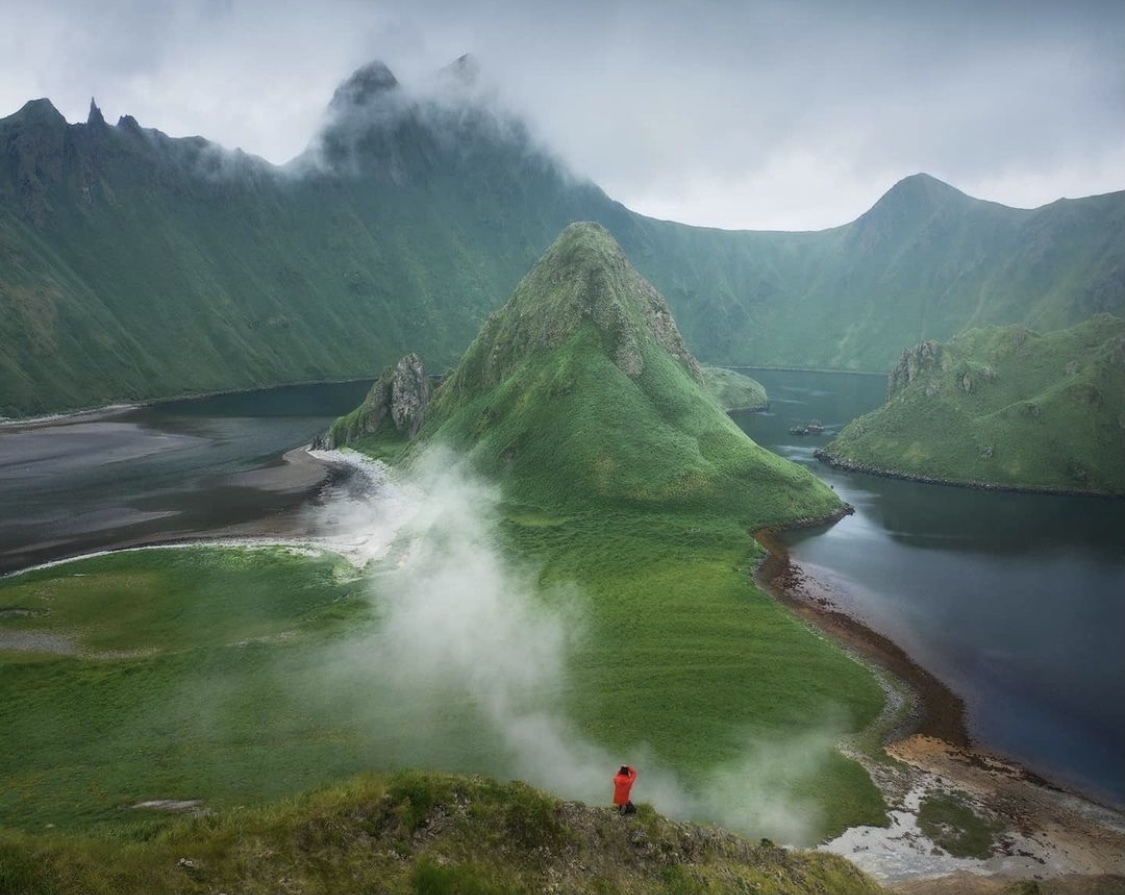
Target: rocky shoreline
x,y
850,466
1049,836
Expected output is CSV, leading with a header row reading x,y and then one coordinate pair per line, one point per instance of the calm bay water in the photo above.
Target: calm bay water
x,y
1015,601
159,471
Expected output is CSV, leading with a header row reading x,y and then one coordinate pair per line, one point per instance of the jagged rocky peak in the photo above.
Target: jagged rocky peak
x,y
584,277
924,357
399,398
464,71
366,85
129,124
95,117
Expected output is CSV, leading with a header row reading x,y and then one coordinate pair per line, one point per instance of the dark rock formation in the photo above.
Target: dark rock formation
x,y
398,398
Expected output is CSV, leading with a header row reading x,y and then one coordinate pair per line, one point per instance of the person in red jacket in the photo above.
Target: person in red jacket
x,y
622,783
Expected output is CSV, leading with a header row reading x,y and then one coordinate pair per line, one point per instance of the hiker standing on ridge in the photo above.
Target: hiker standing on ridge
x,y
622,783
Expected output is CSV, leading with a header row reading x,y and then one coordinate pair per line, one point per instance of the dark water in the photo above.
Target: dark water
x,y
158,471
1016,601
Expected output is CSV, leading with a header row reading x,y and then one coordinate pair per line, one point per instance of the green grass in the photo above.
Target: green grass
x,y
955,827
417,833
581,392
688,656
237,677
735,391
1003,406
228,675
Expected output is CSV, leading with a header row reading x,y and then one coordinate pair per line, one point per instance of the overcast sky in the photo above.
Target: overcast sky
x,y
761,115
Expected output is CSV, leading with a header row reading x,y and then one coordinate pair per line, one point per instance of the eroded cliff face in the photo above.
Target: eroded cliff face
x,y
398,399
924,357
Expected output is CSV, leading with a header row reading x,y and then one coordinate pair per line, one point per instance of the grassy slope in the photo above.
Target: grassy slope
x,y
134,266
1006,406
735,391
421,834
570,396
231,678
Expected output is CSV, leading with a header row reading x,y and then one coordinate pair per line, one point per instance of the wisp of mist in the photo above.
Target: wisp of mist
x,y
461,623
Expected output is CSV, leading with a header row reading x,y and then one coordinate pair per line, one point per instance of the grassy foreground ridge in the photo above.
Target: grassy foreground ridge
x,y
420,833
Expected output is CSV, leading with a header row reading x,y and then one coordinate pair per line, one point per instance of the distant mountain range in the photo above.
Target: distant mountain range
x,y
135,266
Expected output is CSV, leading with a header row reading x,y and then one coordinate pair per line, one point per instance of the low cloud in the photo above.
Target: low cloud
x,y
688,113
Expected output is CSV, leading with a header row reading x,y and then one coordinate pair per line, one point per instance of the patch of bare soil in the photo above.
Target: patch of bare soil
x,y
1053,839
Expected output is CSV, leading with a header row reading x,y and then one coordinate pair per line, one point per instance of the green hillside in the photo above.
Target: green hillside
x,y
421,833
134,265
735,391
1002,406
581,389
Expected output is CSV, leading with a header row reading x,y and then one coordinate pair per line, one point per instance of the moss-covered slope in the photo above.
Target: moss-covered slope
x,y
1002,406
581,389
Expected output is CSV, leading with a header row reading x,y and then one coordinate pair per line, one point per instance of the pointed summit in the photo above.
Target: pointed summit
x,y
920,190
463,71
905,207
583,279
581,389
95,117
366,85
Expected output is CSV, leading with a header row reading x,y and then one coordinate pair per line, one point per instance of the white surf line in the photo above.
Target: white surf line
x,y
370,524
76,416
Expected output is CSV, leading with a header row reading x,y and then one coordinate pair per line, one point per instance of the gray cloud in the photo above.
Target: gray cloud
x,y
758,114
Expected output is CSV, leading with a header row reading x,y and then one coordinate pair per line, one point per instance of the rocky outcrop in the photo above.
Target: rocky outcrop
x,y
913,362
399,398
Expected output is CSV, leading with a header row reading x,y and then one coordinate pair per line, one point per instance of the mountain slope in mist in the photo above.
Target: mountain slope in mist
x,y
581,388
1002,406
135,266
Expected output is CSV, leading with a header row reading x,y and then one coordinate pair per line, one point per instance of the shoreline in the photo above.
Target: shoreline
x,y
70,417
1046,832
849,466
940,712
85,414
293,482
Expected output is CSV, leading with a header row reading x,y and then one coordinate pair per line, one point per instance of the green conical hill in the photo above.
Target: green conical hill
x,y
580,389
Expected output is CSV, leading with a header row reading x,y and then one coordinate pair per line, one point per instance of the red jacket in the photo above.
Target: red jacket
x,y
622,783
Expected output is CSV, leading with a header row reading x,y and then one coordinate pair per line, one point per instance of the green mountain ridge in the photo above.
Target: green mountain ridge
x,y
135,266
581,388
1002,407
